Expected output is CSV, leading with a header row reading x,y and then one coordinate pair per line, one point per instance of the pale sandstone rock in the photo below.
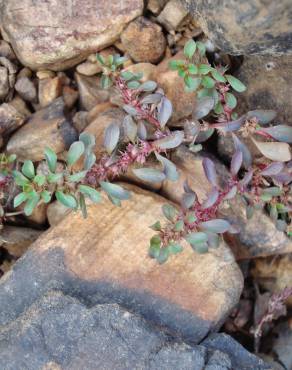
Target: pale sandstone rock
x,y
58,35
49,90
172,15
26,89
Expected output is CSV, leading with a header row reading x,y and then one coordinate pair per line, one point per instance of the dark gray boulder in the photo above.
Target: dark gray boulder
x,y
62,332
246,26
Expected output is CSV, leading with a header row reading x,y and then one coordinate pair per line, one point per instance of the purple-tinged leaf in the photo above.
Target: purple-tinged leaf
x,y
263,116
152,99
192,128
204,135
231,125
210,171
130,128
282,178
142,131
275,151
149,174
188,200
273,169
173,140
111,137
130,110
236,162
203,107
246,155
247,178
231,194
218,226
169,168
115,191
281,133
212,199
148,86
164,111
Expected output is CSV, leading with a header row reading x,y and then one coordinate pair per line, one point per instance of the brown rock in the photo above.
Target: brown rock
x,y
61,34
144,41
42,74
79,120
16,240
155,6
147,69
172,15
26,89
183,102
6,50
89,69
56,212
97,110
47,127
4,83
274,274
70,96
90,91
97,127
255,239
39,215
49,90
10,119
19,104
24,72
191,294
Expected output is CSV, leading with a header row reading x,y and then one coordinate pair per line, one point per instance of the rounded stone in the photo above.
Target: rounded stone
x,y
144,41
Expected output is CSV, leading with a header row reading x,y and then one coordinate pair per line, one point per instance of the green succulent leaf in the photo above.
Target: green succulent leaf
x,y
115,191
67,200
19,178
175,248
46,196
169,211
190,49
192,83
208,82
105,82
196,238
217,76
54,178
179,225
31,204
204,69
76,177
19,199
75,152
91,193
51,158
40,180
156,226
82,205
28,169
235,83
149,174
231,100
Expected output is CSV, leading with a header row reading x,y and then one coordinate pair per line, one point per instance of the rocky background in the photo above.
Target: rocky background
x,y
84,294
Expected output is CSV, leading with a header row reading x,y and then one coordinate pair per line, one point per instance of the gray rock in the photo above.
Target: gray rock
x,y
59,34
62,332
246,26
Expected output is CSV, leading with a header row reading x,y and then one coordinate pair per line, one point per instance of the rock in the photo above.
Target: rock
x,y
39,215
56,212
144,41
274,274
6,51
10,118
89,69
255,239
79,120
105,336
155,6
97,110
97,127
49,90
190,295
41,75
240,358
172,15
147,69
26,89
19,104
16,240
269,85
245,27
4,83
70,96
24,72
45,128
90,91
59,35
183,102
283,343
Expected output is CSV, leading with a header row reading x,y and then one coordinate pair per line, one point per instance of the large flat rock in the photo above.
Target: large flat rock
x,y
105,259
57,34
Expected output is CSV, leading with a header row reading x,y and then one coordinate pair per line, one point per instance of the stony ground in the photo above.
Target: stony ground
x,y
84,294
